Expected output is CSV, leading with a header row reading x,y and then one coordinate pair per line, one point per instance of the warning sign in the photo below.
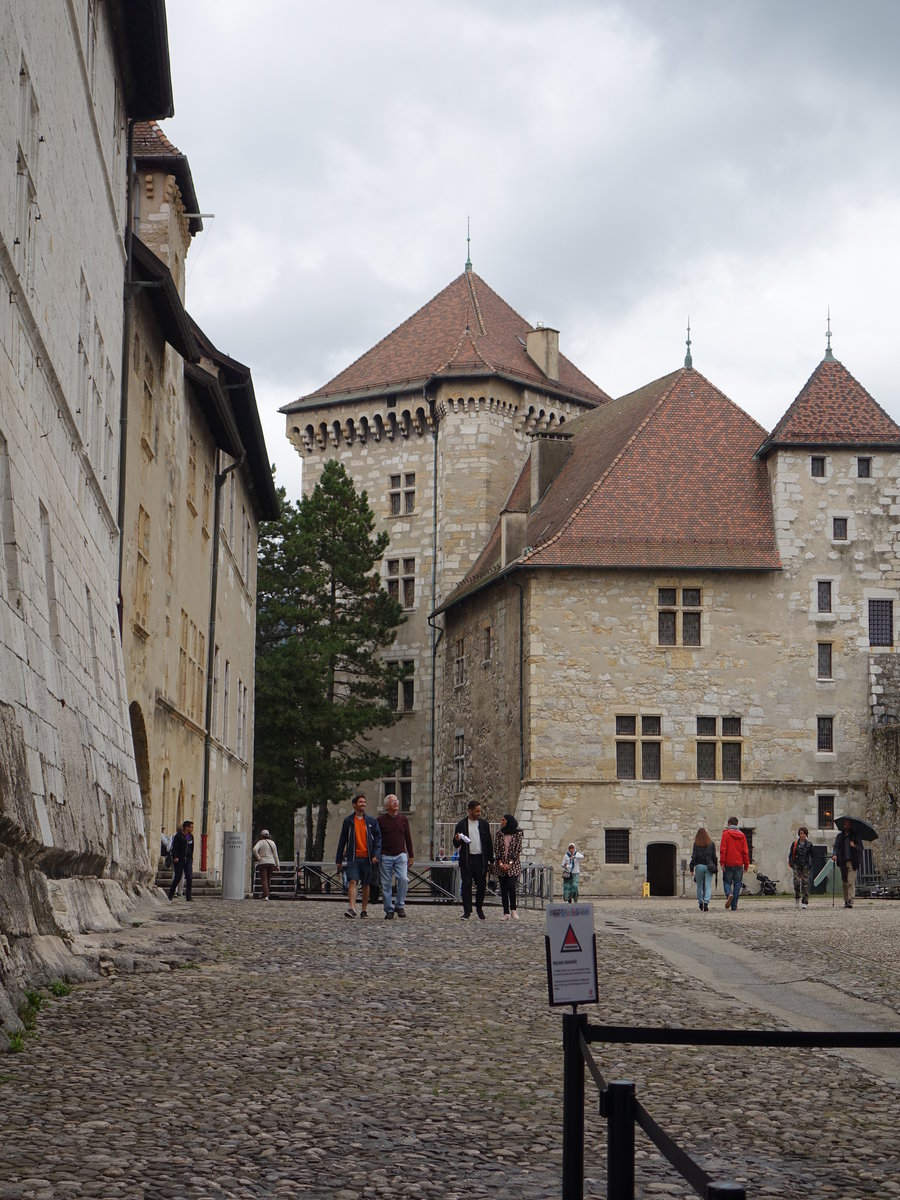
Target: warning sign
x,y
571,954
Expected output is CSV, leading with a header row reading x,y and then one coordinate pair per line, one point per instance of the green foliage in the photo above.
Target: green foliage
x,y
16,1041
321,686
30,1009
58,988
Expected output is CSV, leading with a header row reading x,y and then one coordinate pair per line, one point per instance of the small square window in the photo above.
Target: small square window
x,y
626,726
667,597
731,727
826,811
823,664
618,845
864,468
823,590
839,529
825,734
690,597
706,727
817,466
651,726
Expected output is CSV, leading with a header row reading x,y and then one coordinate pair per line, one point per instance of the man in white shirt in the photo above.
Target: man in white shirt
x,y
476,853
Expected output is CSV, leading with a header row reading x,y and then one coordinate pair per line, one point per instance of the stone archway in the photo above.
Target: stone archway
x,y
661,868
142,763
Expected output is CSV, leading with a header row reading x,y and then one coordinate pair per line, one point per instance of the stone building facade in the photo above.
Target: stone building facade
x,y
434,424
197,485
683,628
71,821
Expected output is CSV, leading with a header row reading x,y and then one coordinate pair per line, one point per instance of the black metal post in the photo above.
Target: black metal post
x,y
573,1107
725,1191
619,1112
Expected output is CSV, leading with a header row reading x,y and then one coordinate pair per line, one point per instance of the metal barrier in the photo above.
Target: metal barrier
x,y
622,1110
435,882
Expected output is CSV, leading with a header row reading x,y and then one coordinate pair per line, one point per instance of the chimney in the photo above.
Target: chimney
x,y
542,347
548,454
512,536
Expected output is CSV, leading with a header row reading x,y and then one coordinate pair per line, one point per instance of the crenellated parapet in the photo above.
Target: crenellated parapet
x,y
380,424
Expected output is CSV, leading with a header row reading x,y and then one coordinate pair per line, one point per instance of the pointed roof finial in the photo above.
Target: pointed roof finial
x,y
829,357
688,361
468,243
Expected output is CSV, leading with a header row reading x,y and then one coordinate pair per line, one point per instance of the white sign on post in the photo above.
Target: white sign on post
x,y
571,954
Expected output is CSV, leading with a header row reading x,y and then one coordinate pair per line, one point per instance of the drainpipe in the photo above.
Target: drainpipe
x,y
436,634
127,317
521,680
220,478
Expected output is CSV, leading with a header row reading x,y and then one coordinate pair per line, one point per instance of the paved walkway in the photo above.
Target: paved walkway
x,y
282,1050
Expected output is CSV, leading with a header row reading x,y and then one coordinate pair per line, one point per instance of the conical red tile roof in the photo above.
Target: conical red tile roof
x,y
467,329
833,409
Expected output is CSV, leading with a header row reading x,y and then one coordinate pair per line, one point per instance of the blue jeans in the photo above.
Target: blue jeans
x,y
703,880
731,882
391,865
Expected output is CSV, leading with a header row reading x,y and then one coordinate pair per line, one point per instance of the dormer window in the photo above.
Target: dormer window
x,y
817,466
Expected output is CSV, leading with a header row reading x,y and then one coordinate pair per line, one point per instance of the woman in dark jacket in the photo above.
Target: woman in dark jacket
x,y
507,852
703,865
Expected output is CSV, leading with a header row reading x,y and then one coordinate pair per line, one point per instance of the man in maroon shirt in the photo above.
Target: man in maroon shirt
x,y
396,856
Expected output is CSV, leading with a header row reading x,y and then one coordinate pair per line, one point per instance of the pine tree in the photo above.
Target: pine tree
x,y
321,683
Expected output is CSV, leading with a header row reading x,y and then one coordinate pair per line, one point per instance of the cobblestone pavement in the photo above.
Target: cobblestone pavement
x,y
282,1050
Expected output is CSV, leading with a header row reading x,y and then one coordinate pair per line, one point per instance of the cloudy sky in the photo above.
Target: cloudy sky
x,y
624,166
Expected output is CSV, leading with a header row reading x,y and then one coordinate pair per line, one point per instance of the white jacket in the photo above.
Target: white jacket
x,y
265,851
571,862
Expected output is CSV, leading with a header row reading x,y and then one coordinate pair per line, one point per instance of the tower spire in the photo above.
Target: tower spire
x,y
468,243
829,357
688,361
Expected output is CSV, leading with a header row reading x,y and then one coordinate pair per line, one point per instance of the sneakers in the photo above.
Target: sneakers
x,y
505,917
804,906
351,912
401,912
706,908
363,914
389,916
514,914
728,902
464,916
480,912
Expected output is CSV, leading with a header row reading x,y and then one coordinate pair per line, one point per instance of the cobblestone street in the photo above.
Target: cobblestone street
x,y
283,1050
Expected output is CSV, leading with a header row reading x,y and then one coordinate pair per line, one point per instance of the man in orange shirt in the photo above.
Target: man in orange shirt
x,y
360,846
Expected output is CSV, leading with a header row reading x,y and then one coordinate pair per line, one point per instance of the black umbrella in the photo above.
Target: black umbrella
x,y
862,829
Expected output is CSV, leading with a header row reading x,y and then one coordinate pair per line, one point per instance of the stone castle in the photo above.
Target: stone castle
x,y
625,618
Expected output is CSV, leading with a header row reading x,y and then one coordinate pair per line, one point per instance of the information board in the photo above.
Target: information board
x,y
571,954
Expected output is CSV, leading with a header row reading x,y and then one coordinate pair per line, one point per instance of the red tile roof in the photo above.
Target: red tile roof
x,y
665,477
833,409
150,141
466,330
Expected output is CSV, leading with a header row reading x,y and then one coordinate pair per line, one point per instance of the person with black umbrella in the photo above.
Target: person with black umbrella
x,y
846,853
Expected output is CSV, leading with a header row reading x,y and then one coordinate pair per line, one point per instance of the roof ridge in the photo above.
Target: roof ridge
x,y
609,470
475,304
466,333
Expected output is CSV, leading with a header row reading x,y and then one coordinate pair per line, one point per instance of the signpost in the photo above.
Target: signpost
x,y
571,954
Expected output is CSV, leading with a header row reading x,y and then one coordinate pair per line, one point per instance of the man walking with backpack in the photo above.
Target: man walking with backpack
x,y
800,858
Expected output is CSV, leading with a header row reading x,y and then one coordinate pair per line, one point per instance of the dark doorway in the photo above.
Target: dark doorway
x,y
661,868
